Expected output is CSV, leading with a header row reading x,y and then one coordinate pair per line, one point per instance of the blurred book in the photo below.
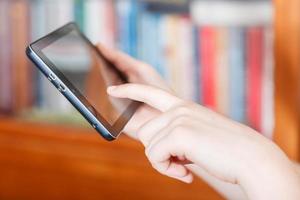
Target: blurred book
x,y
237,71
17,72
5,59
236,60
232,13
217,53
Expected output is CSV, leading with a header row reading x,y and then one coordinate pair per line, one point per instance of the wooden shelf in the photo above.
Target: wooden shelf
x,y
55,162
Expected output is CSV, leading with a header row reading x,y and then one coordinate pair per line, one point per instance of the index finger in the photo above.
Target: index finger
x,y
155,97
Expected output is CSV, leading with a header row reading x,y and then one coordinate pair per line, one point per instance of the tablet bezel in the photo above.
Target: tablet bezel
x,y
113,129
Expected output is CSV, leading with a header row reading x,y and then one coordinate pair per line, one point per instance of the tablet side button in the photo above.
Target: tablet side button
x,y
52,77
61,88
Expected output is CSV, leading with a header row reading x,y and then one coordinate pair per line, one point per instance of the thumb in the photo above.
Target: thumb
x,y
155,97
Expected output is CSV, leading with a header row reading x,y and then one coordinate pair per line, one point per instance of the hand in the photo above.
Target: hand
x,y
186,133
136,72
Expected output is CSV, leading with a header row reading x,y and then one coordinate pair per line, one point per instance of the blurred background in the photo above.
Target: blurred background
x,y
237,57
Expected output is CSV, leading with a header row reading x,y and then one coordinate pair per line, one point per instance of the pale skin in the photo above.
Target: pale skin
x,y
183,139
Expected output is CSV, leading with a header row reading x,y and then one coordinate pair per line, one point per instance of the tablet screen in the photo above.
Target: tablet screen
x,y
88,72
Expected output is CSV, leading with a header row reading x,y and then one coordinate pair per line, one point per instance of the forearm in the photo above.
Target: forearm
x,y
271,176
227,190
275,177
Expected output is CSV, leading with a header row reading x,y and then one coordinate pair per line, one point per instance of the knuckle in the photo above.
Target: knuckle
x,y
159,168
178,132
155,166
152,160
180,120
189,104
140,135
182,110
143,136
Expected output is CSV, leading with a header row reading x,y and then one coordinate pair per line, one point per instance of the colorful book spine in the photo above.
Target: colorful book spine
x,y
79,13
208,66
99,23
268,85
110,24
186,59
237,71
250,61
127,13
161,61
5,59
232,13
150,42
220,60
38,29
94,20
197,66
222,70
52,100
172,48
167,27
21,73
254,76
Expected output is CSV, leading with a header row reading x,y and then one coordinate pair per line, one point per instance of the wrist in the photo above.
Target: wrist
x,y
269,174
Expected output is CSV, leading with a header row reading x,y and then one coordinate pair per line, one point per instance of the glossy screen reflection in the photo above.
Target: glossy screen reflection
x,y
87,71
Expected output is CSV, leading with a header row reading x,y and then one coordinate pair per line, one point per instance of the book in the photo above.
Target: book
x,y
187,71
79,13
110,24
99,24
232,13
38,30
219,55
21,73
267,111
170,7
5,59
208,66
150,45
254,61
127,13
52,100
250,81
171,51
94,20
237,71
64,12
197,66
222,75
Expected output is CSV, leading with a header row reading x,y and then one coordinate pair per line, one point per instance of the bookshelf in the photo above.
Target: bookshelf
x,y
68,158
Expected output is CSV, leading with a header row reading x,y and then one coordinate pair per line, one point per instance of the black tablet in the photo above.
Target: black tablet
x,y
79,71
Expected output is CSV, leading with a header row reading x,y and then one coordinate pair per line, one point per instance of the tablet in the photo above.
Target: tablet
x,y
79,71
